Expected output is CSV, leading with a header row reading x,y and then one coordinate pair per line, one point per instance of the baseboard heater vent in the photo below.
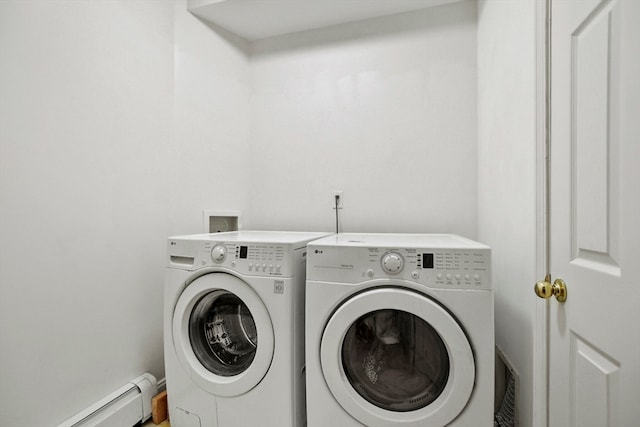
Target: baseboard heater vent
x,y
127,406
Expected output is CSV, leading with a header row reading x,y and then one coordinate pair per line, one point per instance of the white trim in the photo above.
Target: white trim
x,y
540,339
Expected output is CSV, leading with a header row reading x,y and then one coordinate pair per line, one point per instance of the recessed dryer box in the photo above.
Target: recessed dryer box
x,y
221,221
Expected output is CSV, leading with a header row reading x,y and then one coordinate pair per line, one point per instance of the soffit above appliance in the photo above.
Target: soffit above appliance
x,y
259,19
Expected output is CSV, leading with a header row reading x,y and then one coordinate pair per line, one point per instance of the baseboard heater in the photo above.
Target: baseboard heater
x,y
125,407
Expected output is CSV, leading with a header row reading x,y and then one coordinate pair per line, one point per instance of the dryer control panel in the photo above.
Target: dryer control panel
x,y
450,268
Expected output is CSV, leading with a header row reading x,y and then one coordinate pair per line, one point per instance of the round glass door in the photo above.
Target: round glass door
x,y
394,356
395,360
223,333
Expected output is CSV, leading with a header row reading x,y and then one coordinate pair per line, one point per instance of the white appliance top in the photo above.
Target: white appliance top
x,y
283,237
385,240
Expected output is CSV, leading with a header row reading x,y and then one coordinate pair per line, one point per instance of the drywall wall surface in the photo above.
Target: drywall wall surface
x,y
507,176
86,100
121,121
209,147
382,109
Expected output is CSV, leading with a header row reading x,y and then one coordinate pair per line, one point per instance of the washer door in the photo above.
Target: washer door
x,y
223,334
393,356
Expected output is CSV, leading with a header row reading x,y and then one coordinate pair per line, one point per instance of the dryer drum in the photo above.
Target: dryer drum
x,y
223,333
395,360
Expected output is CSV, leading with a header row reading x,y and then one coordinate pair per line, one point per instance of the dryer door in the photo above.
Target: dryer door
x,y
393,356
223,334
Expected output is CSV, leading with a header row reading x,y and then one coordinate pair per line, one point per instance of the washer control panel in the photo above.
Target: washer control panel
x,y
254,259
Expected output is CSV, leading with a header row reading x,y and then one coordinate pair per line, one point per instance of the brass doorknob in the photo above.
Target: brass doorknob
x,y
544,289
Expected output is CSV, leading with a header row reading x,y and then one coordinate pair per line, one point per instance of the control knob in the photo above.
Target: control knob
x,y
218,253
392,262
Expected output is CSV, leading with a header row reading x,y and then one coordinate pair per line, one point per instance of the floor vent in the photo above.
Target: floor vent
x,y
127,406
506,415
507,393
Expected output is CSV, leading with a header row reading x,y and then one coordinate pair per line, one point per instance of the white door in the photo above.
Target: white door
x,y
594,342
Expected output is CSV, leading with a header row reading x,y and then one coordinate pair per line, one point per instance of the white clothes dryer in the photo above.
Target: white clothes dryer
x,y
399,331
233,329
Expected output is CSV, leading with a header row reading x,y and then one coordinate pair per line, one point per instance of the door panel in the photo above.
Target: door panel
x,y
594,380
594,160
594,345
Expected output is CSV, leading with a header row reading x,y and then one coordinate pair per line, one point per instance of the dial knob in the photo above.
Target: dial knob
x,y
218,253
392,263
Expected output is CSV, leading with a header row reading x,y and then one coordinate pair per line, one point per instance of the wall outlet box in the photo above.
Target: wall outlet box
x,y
221,221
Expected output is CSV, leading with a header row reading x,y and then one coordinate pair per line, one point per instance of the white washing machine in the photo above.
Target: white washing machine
x,y
233,329
399,331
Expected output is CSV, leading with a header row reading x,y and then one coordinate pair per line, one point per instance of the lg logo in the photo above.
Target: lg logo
x,y
278,287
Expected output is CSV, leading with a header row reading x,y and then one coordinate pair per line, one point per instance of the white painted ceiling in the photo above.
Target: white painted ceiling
x,y
259,19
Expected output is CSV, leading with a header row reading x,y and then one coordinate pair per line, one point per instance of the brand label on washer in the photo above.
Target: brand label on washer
x,y
278,286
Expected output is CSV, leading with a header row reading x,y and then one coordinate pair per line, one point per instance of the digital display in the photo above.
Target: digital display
x,y
427,260
243,252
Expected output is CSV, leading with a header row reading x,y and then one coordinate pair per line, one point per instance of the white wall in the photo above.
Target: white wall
x,y
95,173
211,114
507,176
383,109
